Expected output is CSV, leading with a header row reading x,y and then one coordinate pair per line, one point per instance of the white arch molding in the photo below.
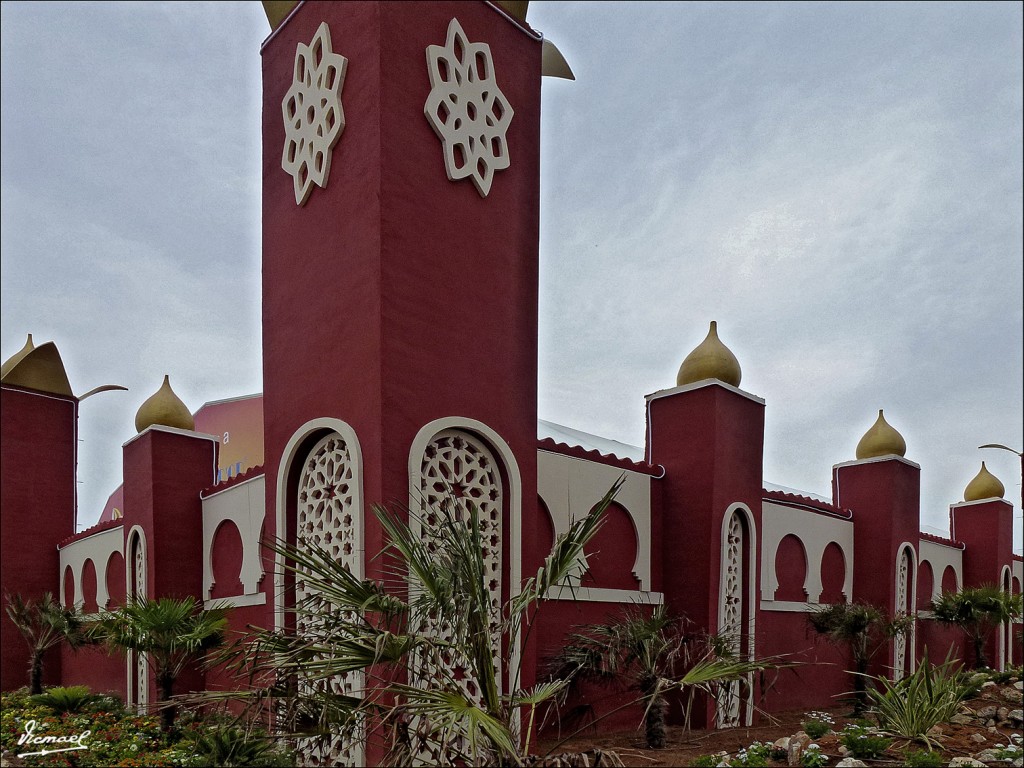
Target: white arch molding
x,y
904,645
733,603
332,520
1004,634
136,574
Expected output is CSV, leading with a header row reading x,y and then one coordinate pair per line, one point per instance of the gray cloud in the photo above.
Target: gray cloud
x,y
839,185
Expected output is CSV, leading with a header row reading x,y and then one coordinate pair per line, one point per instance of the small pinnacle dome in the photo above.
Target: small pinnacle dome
x,y
985,485
164,408
881,440
711,359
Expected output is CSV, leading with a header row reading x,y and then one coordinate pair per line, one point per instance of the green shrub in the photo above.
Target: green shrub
x,y
817,724
864,743
923,759
72,699
757,755
813,757
120,737
912,706
706,761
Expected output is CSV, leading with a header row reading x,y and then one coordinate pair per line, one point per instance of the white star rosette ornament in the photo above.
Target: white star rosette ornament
x,y
313,115
467,109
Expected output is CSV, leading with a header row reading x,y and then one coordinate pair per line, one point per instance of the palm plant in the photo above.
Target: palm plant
x,y
172,633
861,628
44,624
977,611
649,650
432,643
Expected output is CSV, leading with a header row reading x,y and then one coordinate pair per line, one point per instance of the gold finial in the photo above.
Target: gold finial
x,y
17,357
985,485
881,440
710,360
164,408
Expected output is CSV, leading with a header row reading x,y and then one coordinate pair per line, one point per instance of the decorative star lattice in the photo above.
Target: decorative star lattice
x,y
313,115
467,109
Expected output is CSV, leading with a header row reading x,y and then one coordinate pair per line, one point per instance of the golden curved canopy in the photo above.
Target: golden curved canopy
x,y
39,368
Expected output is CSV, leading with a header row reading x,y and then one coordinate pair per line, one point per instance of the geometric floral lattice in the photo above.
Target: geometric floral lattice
x,y
459,470
902,596
313,115
731,621
137,553
467,110
328,515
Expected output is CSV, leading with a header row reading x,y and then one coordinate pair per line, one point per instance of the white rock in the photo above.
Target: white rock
x,y
782,743
963,762
977,738
851,762
1019,685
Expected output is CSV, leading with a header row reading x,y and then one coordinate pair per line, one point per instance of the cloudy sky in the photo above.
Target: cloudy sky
x,y
838,185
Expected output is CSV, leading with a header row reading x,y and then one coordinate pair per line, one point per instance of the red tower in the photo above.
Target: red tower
x,y
400,236
38,456
709,436
884,491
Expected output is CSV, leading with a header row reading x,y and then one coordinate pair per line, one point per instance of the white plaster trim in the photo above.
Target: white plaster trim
x,y
98,547
570,487
288,456
602,595
791,606
989,500
743,509
217,491
700,385
239,601
173,431
245,506
1004,635
208,403
515,502
815,533
939,556
875,459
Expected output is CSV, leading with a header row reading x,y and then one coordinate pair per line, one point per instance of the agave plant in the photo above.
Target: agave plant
x,y
45,624
911,706
172,633
438,657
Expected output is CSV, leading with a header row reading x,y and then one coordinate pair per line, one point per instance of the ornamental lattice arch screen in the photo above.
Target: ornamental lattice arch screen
x,y
457,471
136,573
473,458
320,504
735,700
903,645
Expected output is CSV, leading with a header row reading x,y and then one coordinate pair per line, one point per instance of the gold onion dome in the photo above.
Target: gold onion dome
x,y
985,485
710,360
881,440
165,409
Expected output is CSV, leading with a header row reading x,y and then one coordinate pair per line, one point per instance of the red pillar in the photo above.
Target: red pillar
x,y
709,436
38,454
